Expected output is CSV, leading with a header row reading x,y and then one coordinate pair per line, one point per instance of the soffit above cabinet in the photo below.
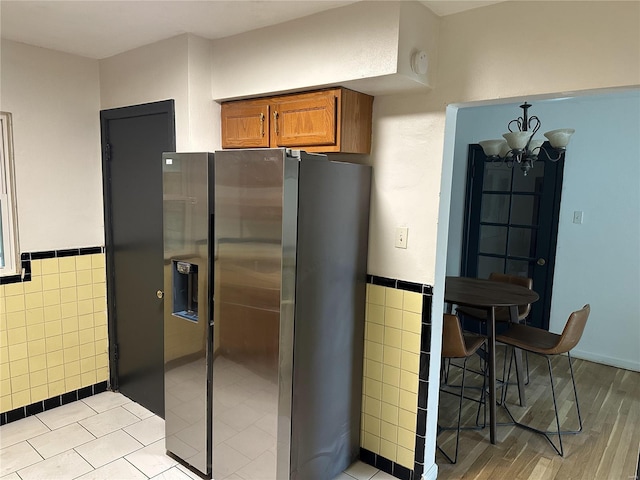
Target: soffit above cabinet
x,y
367,47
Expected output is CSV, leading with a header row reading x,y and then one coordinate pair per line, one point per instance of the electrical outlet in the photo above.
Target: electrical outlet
x,y
401,237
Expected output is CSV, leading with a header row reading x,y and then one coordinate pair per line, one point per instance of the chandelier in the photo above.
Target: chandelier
x,y
520,147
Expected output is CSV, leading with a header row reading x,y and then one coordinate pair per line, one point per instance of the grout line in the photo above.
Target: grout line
x,y
127,460
86,430
80,455
45,425
127,433
96,412
27,466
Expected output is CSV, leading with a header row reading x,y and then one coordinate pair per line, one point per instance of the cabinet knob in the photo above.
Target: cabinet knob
x,y
541,261
159,294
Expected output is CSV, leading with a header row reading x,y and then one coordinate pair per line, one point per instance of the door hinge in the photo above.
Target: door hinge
x,y
107,152
116,352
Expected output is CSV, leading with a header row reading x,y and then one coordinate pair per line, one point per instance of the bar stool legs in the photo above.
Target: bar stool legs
x,y
457,345
546,433
458,427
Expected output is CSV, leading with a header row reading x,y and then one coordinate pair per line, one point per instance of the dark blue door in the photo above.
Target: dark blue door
x,y
511,223
133,139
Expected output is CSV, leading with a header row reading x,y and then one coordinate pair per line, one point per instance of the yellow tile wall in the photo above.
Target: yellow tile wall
x,y
53,330
391,368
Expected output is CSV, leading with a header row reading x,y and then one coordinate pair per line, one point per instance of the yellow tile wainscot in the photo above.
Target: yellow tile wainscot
x,y
391,369
53,330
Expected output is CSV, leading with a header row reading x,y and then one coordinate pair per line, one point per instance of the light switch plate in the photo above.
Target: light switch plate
x,y
577,217
401,237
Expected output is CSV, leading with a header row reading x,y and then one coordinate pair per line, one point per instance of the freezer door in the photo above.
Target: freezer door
x,y
187,200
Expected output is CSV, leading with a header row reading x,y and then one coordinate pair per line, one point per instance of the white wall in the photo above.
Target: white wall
x,y
358,46
419,30
333,46
406,184
178,68
597,262
54,98
204,114
512,49
148,74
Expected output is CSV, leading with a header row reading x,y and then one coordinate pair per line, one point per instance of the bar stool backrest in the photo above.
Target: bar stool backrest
x,y
453,345
523,310
572,331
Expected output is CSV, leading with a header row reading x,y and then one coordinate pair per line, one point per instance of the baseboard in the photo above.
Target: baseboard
x,y
431,473
606,360
53,402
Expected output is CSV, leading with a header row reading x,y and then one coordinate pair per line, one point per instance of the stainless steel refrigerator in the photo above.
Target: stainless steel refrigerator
x,y
270,385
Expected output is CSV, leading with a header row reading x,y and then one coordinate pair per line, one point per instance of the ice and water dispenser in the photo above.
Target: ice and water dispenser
x,y
185,290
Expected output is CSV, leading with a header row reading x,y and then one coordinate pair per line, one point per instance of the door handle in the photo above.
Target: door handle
x,y
541,261
159,294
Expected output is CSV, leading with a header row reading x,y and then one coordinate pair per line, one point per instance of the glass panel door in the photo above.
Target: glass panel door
x,y
511,223
509,218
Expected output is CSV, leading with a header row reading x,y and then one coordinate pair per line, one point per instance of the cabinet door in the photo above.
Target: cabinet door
x,y
305,120
245,124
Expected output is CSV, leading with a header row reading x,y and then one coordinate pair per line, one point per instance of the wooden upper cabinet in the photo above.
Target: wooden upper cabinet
x,y
305,120
245,124
334,120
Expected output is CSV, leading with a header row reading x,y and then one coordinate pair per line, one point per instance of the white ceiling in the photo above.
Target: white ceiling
x,y
102,28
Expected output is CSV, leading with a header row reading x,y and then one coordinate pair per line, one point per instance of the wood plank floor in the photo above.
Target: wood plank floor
x,y
607,449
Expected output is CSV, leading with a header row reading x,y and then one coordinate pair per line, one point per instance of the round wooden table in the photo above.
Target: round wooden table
x,y
488,294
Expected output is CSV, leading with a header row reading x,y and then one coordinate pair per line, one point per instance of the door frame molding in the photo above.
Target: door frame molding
x,y
140,110
475,153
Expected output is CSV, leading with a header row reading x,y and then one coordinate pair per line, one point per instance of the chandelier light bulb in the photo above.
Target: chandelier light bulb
x,y
560,138
505,151
534,146
492,148
517,140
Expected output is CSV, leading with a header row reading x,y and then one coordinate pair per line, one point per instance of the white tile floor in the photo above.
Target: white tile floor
x,y
108,437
